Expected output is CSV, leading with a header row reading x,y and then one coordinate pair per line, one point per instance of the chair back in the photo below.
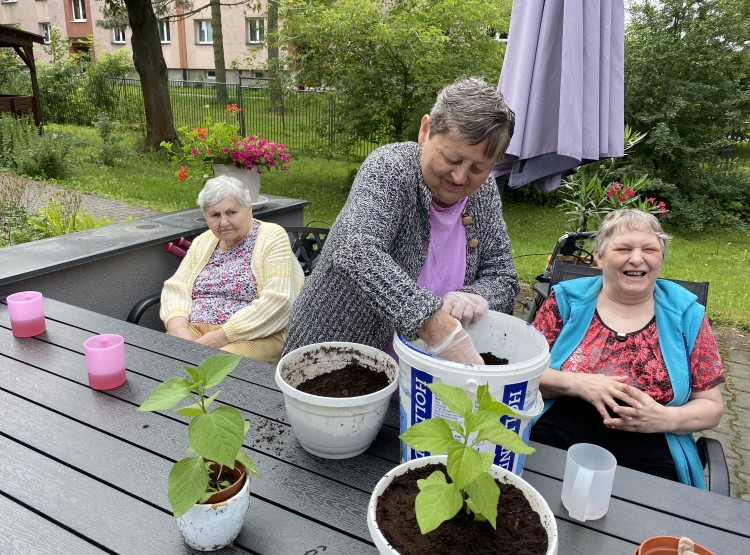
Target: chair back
x,y
307,244
562,271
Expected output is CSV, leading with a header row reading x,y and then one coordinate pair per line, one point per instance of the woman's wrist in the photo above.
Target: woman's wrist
x,y
437,327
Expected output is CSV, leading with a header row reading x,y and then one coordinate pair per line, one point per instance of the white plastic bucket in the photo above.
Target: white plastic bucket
x,y
516,384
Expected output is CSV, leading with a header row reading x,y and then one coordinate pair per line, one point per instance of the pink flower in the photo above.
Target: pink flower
x,y
629,192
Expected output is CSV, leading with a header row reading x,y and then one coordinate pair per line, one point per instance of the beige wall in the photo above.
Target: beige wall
x,y
199,57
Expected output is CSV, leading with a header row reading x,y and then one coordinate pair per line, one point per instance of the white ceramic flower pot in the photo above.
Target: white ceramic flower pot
x,y
250,178
534,498
211,527
334,427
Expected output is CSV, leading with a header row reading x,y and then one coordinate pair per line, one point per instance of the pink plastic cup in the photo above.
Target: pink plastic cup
x,y
105,360
26,310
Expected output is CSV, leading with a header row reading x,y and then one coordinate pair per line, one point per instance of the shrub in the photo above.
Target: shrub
x,y
64,214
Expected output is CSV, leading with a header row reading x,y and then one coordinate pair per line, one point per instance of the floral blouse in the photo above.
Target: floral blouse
x,y
226,284
638,357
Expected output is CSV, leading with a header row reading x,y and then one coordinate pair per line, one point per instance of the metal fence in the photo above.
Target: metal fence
x,y
305,120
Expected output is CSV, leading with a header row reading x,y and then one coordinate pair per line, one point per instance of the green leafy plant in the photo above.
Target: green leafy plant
x,y
471,487
64,214
215,435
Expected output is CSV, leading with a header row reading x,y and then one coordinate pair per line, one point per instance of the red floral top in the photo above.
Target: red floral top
x,y
226,284
638,357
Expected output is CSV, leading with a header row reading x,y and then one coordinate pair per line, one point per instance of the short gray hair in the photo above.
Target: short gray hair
x,y
476,111
631,219
218,188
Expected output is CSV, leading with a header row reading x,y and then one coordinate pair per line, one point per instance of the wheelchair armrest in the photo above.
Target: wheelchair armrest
x,y
712,456
142,306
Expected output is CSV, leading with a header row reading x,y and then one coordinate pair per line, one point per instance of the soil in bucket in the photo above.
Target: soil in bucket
x,y
519,528
490,359
352,380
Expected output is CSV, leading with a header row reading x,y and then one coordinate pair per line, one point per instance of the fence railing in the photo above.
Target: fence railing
x,y
303,120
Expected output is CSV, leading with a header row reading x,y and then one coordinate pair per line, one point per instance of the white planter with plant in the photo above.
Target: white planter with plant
x,y
216,438
470,484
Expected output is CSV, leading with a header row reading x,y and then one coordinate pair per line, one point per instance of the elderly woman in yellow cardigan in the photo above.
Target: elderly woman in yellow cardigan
x,y
236,285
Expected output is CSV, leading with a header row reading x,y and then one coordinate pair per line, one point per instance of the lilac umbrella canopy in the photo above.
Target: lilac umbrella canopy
x,y
563,76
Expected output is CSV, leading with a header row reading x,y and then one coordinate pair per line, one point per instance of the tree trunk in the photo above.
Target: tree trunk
x,y
219,65
152,70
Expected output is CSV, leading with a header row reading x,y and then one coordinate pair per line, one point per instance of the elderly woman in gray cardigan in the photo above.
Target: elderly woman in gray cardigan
x,y
420,246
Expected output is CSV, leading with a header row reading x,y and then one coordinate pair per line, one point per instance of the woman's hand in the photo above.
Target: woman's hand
x,y
702,412
597,389
217,339
466,307
179,327
446,338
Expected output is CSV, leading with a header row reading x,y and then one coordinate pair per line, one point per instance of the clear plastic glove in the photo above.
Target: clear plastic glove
x,y
457,347
468,308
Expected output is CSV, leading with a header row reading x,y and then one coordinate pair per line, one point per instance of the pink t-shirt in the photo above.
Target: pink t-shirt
x,y
445,266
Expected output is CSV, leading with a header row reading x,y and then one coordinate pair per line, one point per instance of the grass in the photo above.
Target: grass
x,y
719,256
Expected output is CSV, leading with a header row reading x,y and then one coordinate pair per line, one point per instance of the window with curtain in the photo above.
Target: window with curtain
x,y
45,29
205,33
164,32
255,30
118,36
79,10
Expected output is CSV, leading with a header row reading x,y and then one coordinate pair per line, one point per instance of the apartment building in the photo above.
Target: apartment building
x,y
187,43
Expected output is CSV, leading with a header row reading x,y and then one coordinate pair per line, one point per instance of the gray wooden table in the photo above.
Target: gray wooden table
x,y
81,471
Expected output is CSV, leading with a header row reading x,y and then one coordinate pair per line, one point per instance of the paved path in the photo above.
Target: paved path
x,y
733,431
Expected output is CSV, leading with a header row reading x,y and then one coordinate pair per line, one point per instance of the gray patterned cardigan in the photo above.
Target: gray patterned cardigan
x,y
364,286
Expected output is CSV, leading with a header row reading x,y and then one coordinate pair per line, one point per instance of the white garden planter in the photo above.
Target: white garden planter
x,y
250,178
534,498
334,427
211,527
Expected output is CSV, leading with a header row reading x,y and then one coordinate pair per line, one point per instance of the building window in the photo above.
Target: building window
x,y
205,33
8,1
79,10
164,32
118,36
45,29
211,75
255,30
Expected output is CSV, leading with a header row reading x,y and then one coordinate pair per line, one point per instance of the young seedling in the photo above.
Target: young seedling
x,y
215,436
471,486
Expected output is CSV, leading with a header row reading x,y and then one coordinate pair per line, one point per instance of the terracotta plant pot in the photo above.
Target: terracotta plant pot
x,y
215,524
536,501
666,545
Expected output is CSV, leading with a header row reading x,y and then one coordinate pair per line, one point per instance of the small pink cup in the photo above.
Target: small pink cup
x,y
105,360
26,310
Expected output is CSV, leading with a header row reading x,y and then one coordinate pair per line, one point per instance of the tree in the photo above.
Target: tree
x,y
388,59
150,65
686,84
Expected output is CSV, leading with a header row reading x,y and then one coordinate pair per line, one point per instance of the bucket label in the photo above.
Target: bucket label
x,y
514,395
421,403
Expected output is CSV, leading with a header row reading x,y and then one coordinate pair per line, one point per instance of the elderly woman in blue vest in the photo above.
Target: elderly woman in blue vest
x,y
634,364
420,246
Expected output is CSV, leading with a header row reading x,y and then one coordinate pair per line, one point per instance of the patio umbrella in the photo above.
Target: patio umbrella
x,y
563,77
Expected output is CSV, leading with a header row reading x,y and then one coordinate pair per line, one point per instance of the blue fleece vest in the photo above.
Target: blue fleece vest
x,y
678,319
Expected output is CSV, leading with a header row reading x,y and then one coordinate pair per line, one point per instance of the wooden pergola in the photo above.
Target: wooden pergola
x,y
23,43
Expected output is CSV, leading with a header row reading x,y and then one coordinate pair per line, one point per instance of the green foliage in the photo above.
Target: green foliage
x,y
64,214
388,64
686,84
215,435
470,485
110,151
601,187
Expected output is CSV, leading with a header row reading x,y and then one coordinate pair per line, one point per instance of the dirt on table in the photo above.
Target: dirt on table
x,y
352,380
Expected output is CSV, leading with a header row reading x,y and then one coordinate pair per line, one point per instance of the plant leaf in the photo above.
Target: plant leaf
x,y
193,373
435,504
455,398
248,462
191,411
508,439
484,494
435,478
464,464
433,435
215,368
480,420
167,394
187,482
217,435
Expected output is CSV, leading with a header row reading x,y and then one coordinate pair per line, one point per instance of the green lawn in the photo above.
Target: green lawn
x,y
719,256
